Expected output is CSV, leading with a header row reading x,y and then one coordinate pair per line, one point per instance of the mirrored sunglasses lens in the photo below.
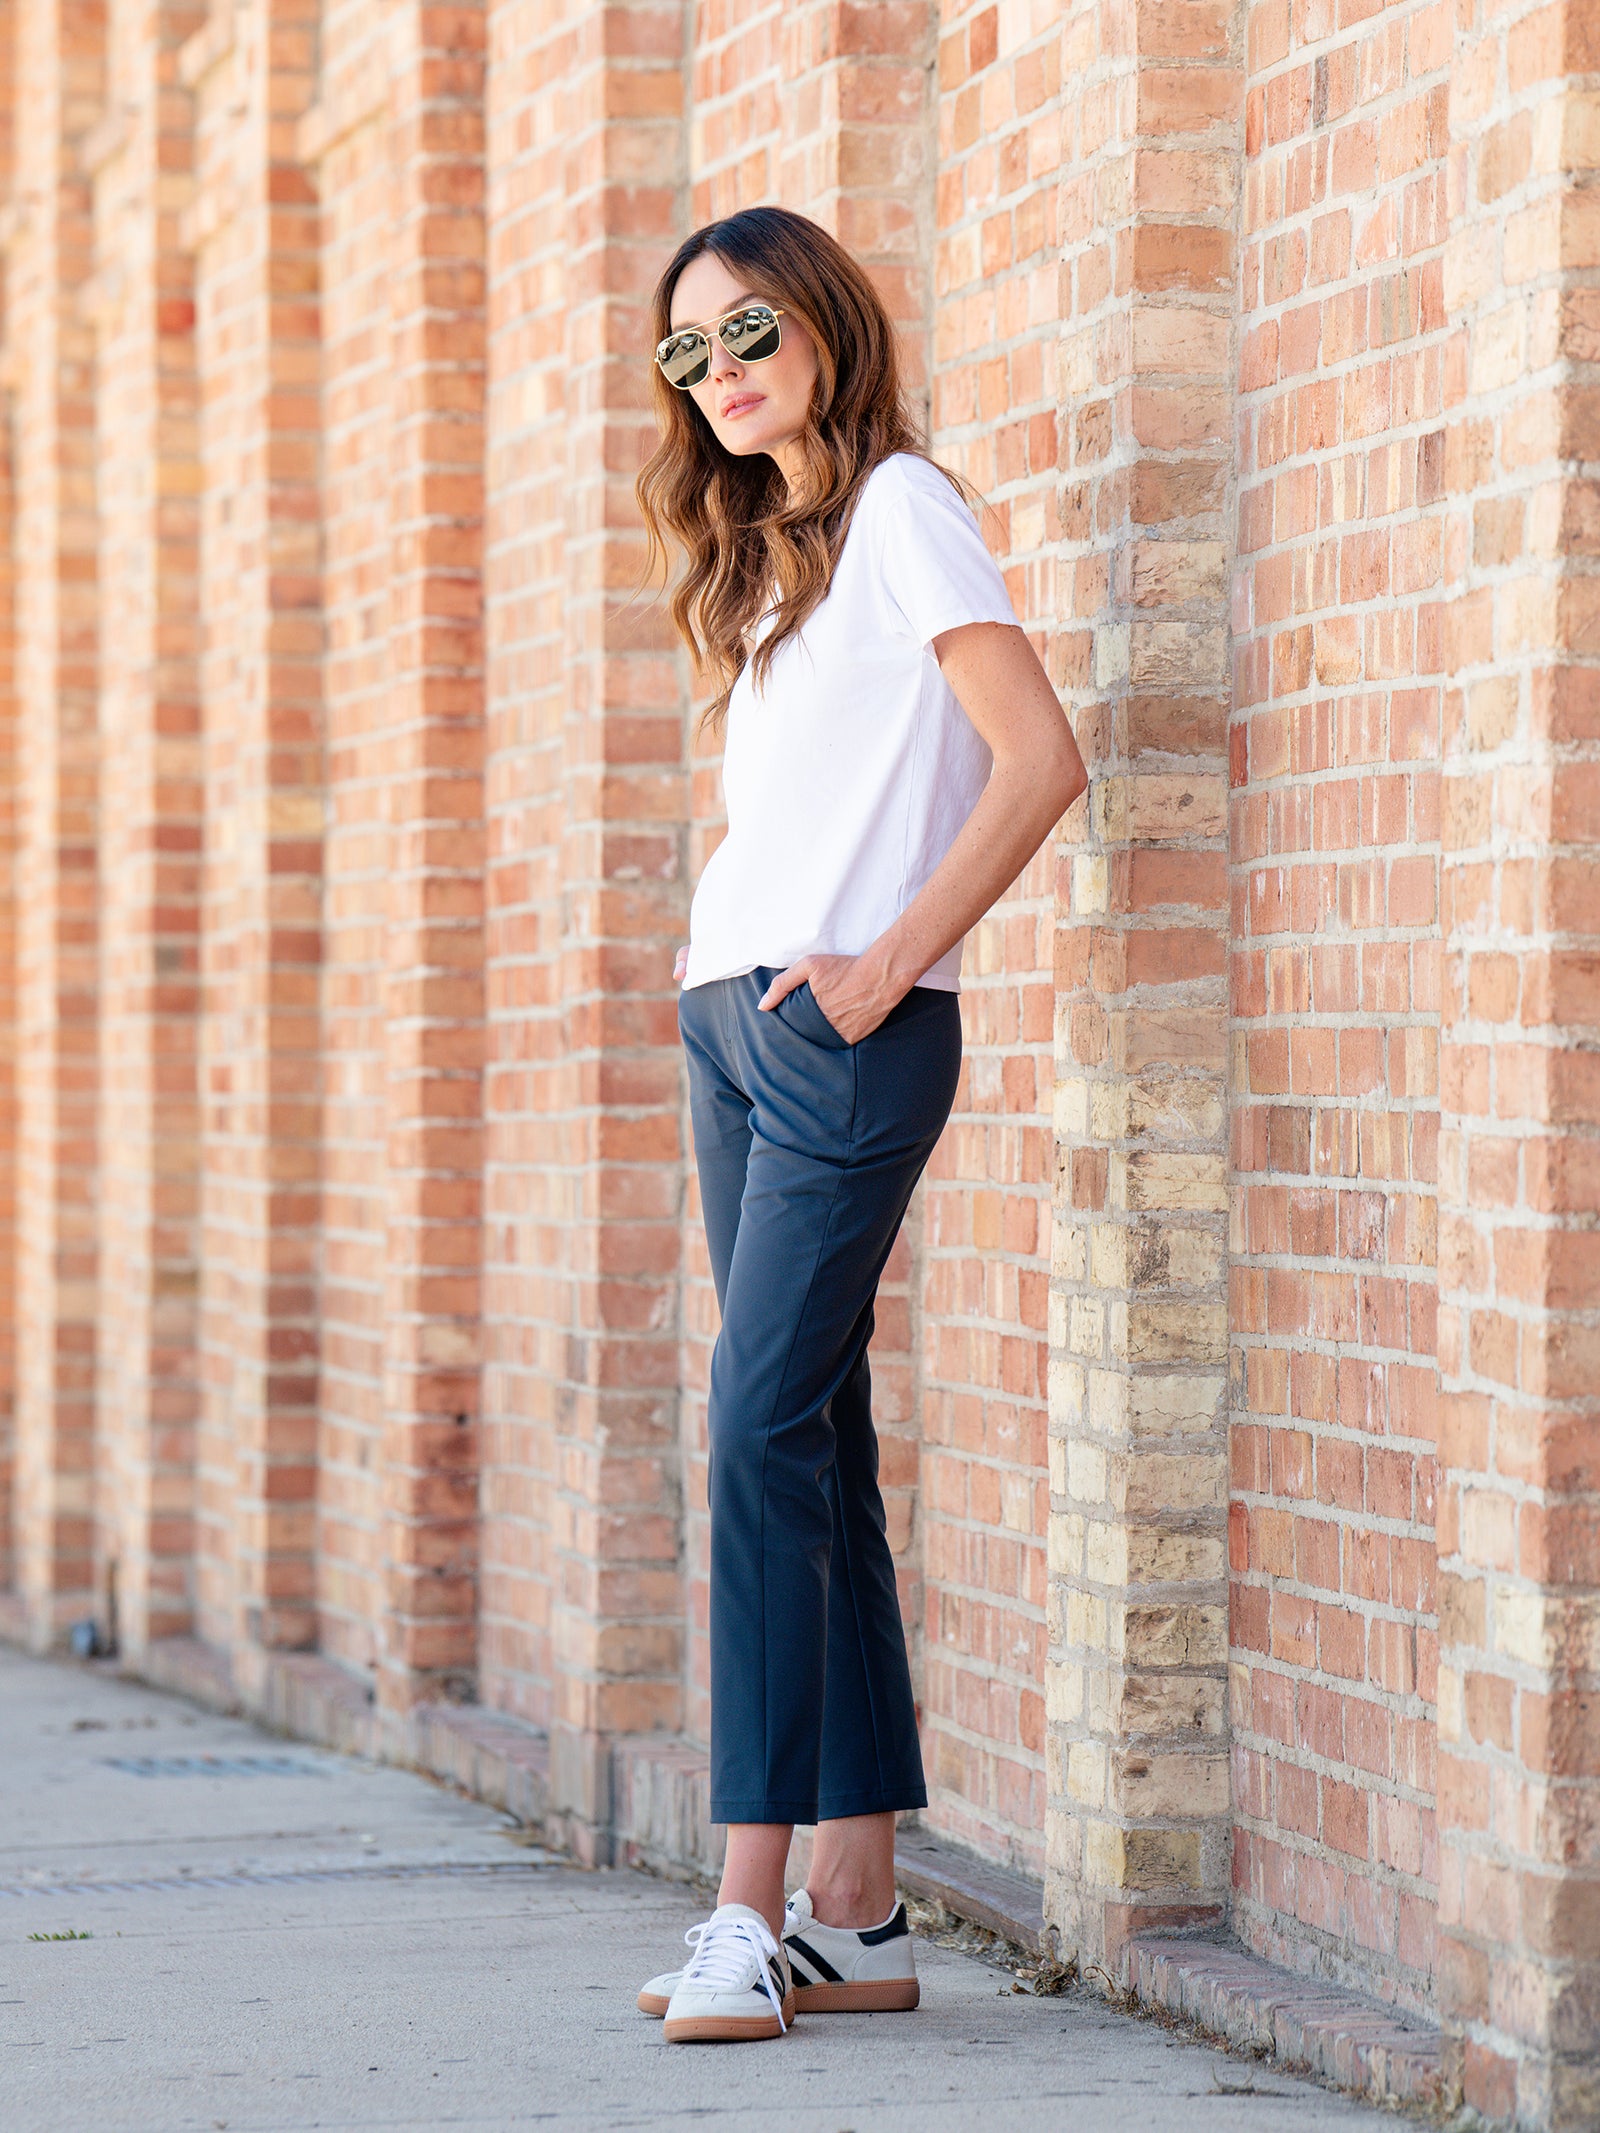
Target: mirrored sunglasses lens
x,y
751,335
685,359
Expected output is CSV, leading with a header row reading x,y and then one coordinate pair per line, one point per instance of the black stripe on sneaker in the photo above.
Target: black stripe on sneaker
x,y
778,1977
875,1936
826,1974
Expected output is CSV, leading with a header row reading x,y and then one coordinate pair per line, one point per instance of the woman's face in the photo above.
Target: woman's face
x,y
751,407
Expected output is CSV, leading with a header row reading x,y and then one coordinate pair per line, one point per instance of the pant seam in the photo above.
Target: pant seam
x,y
855,1602
766,1435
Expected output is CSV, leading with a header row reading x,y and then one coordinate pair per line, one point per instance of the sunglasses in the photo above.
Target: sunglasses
x,y
751,334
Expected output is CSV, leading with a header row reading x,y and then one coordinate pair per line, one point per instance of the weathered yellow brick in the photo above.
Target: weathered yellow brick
x,y
1160,1405
1110,667
1184,1635
1069,1251
1087,1616
1164,1704
1498,347
1071,1106
1150,1557
1056,1458
1158,805
1163,1179
1177,1332
1449,1704
1165,655
1167,1481
1184,1785
1167,572
1108,1255
1175,1106
1105,1552
1067,1388
1155,1255
1160,1859
1087,1766
1104,1854
1179,339
1086,1471
1090,884
1063,1842
1166,1036
1086,1331
1064,1544
1063,1693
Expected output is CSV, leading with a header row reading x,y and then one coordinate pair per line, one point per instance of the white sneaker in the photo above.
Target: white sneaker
x,y
736,1986
835,1970
656,1993
840,1971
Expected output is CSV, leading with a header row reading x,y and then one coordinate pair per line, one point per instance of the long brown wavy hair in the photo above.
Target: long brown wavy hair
x,y
741,533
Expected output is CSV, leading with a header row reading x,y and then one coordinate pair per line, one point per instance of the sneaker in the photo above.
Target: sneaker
x,y
655,1992
735,1987
840,1971
835,1970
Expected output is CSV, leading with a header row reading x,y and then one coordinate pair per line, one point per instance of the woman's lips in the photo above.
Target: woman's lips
x,y
741,404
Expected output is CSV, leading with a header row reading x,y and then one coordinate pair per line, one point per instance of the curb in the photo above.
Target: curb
x,y
1303,2026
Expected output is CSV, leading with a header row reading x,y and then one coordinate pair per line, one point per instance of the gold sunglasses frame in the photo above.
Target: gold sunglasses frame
x,y
714,328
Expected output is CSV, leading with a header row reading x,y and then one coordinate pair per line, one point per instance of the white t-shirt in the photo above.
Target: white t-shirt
x,y
849,774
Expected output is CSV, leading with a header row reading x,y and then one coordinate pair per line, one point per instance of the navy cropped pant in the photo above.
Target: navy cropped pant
x,y
808,1150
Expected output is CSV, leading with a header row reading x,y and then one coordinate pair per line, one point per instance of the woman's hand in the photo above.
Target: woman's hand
x,y
680,966
855,992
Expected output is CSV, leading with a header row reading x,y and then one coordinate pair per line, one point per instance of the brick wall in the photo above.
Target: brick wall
x,y
1519,1186
57,77
8,915
253,227
1138,1780
142,301
1335,751
354,1297
343,139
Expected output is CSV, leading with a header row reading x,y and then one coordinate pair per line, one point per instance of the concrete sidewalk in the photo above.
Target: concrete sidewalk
x,y
282,1938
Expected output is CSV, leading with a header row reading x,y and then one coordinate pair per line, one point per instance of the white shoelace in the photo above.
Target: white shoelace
x,y
724,1949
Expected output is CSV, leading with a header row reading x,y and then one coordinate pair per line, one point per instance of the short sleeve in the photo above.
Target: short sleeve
x,y
936,572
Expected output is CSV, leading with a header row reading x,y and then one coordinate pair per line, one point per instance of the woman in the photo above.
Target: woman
x,y
893,756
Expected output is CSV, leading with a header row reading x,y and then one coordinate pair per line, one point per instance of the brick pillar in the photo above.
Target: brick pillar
x,y
433,1002
8,914
1519,1188
253,227
150,840
1138,1783
616,1601
58,57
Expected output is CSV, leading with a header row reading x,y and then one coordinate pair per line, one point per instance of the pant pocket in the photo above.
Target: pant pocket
x,y
800,1011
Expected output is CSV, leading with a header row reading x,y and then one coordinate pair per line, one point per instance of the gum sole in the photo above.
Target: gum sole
x,y
727,2029
653,2003
889,1995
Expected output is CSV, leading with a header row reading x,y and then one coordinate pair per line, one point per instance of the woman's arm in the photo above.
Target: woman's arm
x,y
1037,775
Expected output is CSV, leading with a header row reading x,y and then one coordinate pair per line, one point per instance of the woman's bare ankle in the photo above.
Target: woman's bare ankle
x,y
851,1906
752,1870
